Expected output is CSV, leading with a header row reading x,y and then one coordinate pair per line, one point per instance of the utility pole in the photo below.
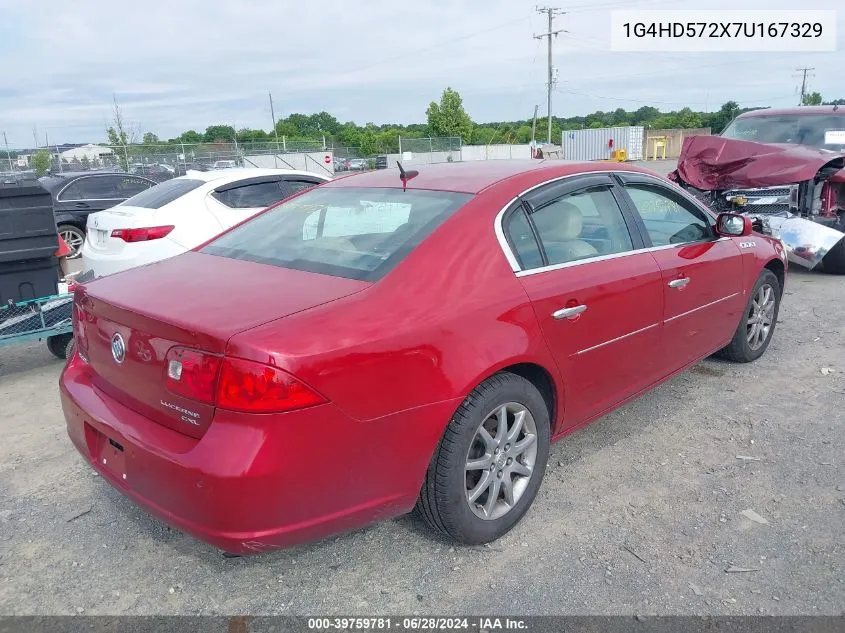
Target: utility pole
x,y
534,127
803,76
273,115
551,12
8,155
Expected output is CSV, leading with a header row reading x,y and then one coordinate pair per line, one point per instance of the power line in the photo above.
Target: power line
x,y
551,12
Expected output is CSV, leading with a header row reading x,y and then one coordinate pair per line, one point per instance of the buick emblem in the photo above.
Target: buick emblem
x,y
118,348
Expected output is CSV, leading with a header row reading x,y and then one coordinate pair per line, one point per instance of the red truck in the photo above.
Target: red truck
x,y
784,167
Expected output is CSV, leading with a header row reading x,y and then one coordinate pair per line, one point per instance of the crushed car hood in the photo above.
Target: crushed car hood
x,y
713,163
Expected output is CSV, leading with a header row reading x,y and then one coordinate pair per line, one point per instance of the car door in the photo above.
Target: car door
x,y
702,273
596,292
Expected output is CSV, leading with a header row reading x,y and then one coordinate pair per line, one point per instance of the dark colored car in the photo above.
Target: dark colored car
x,y
78,194
379,343
784,166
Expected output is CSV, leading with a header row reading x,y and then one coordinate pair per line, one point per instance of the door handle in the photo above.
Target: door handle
x,y
82,205
567,313
679,283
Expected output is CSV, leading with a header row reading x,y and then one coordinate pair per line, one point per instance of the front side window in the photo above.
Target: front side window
x,y
580,225
668,221
354,232
73,191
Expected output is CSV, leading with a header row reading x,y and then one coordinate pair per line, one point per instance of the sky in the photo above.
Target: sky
x,y
187,64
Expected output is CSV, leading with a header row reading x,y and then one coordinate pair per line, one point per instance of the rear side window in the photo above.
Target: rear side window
x,y
256,195
165,193
295,186
354,232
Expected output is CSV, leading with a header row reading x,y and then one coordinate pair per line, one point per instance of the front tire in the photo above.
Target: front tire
x,y
758,321
834,261
490,462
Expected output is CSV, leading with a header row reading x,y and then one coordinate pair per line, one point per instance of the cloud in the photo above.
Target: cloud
x,y
192,63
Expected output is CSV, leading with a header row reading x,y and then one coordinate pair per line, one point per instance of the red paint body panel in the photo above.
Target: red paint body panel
x,y
624,299
394,359
716,163
695,317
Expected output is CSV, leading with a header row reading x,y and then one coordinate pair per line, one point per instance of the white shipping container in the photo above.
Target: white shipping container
x,y
595,144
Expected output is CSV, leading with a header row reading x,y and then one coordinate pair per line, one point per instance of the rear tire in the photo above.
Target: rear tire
x,y
478,454
61,345
758,321
834,262
74,237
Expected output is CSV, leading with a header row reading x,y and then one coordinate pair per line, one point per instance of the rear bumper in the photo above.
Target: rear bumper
x,y
260,482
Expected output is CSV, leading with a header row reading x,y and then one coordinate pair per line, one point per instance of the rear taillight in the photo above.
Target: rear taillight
x,y
192,374
248,386
235,384
79,335
143,234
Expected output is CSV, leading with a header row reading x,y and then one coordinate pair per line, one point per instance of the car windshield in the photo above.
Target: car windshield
x,y
160,195
354,232
826,131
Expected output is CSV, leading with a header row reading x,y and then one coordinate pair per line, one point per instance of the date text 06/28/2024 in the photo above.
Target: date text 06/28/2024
x,y
417,623
723,31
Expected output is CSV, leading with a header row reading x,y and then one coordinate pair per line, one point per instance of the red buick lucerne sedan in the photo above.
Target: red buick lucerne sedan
x,y
380,343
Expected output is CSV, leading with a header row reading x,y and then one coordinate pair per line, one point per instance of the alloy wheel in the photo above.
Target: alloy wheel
x,y
500,461
74,241
760,317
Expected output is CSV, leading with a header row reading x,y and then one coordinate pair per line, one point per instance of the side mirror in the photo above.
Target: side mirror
x,y
733,225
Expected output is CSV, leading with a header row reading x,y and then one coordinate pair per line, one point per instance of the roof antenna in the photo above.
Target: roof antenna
x,y
405,176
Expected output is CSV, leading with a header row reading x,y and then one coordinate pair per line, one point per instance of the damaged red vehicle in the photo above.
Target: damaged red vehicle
x,y
785,168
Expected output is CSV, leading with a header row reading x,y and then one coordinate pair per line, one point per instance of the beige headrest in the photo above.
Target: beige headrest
x,y
560,222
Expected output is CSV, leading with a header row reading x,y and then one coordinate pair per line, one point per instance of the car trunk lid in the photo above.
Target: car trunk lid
x,y
199,301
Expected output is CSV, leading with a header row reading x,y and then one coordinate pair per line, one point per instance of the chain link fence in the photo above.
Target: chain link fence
x,y
162,161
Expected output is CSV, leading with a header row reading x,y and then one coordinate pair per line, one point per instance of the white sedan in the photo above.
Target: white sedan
x,y
180,214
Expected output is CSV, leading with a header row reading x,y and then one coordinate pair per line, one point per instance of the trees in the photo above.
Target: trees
x,y
812,98
448,118
214,133
40,162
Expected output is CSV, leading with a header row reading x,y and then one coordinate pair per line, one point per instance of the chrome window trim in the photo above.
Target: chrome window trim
x,y
590,260
618,338
706,305
511,256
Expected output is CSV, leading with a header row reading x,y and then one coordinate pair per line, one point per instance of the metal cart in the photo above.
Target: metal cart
x,y
48,318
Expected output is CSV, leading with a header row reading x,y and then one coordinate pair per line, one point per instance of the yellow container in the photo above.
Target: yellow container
x,y
621,155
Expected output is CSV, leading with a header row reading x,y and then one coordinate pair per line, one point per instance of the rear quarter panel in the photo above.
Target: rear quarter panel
x,y
450,315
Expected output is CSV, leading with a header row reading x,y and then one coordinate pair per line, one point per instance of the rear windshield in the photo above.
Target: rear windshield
x,y
826,131
160,195
358,233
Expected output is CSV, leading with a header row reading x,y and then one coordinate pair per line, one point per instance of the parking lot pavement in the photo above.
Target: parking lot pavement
x,y
642,512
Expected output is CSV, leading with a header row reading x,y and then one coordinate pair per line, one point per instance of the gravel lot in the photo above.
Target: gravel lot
x,y
642,512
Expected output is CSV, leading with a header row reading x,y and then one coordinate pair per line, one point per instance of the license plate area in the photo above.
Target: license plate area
x,y
108,453
102,237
